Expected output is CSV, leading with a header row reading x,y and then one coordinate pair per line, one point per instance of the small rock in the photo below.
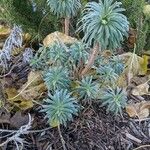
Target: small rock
x,y
56,36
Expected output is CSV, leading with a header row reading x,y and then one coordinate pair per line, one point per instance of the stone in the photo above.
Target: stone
x,y
58,36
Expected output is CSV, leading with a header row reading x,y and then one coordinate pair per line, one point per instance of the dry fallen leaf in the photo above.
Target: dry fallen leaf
x,y
107,53
34,87
122,81
140,110
19,119
4,32
4,116
18,100
132,67
142,89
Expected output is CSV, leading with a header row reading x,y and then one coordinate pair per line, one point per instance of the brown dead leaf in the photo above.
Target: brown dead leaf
x,y
4,32
122,81
132,66
34,87
107,53
132,38
19,119
140,110
17,100
53,37
142,89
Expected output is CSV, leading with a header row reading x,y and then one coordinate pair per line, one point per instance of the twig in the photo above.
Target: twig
x,y
67,23
142,146
15,65
30,131
133,138
139,120
91,60
16,137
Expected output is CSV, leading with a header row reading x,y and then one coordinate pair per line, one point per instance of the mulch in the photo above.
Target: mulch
x,y
93,129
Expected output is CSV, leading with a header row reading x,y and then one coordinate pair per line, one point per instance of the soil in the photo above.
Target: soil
x,y
93,129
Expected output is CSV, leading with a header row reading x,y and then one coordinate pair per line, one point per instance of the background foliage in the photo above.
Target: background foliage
x,y
34,16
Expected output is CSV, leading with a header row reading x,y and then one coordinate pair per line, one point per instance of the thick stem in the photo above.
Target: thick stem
x,y
91,60
67,22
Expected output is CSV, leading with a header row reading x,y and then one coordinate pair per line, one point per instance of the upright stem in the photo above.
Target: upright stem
x,y
61,138
67,22
91,60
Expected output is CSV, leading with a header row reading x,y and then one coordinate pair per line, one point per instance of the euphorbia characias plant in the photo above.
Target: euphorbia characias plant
x,y
103,25
64,9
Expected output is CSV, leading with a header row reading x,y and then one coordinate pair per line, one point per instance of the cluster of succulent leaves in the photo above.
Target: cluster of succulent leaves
x,y
64,8
88,89
56,78
115,99
60,107
103,23
55,62
108,70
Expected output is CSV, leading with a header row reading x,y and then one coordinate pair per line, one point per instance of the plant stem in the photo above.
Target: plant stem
x,y
61,138
67,22
92,58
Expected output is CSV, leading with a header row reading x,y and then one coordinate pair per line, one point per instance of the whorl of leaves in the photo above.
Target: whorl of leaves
x,y
104,23
55,55
39,61
56,78
114,99
87,89
60,107
117,65
64,8
79,52
107,74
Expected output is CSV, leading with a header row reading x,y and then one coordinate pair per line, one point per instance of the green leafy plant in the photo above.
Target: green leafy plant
x,y
64,8
40,59
117,65
87,89
114,99
54,55
60,108
56,78
38,22
107,75
79,52
138,20
57,54
104,24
